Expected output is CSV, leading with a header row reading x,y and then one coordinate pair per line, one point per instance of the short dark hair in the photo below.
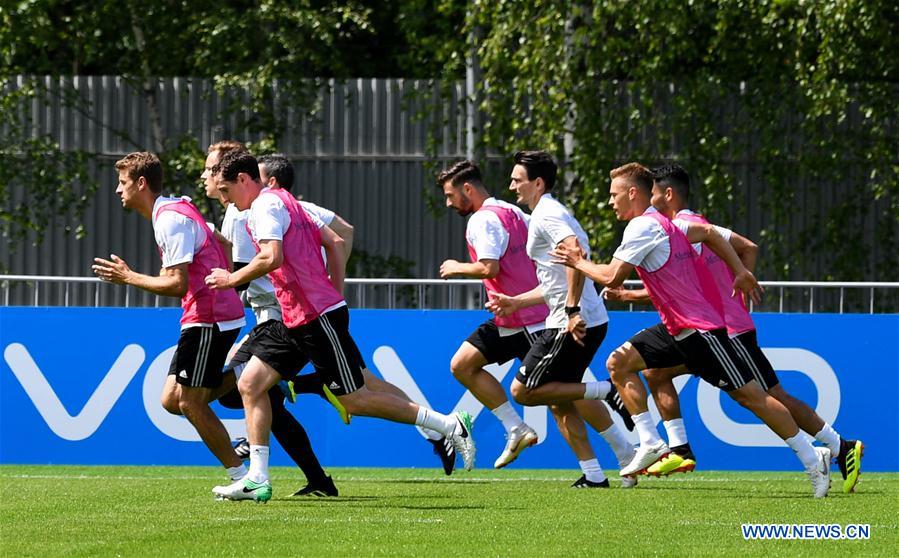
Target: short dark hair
x,y
674,177
538,164
233,163
279,166
637,175
460,173
143,163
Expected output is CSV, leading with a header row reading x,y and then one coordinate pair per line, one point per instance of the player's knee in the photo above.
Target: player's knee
x,y
615,364
520,393
460,368
170,403
750,396
247,387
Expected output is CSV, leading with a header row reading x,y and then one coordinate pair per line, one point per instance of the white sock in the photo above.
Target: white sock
x,y
592,470
623,449
507,415
829,437
258,463
430,434
597,390
237,473
804,450
649,436
677,433
433,420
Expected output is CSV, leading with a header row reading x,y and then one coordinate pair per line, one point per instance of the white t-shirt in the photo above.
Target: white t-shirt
x,y
684,226
234,228
550,224
645,242
179,237
490,239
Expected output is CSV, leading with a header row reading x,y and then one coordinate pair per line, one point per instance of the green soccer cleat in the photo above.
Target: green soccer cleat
x,y
244,489
850,463
462,439
341,410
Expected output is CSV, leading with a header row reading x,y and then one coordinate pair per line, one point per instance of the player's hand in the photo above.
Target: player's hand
x,y
577,327
746,283
114,270
566,255
449,268
500,304
618,294
218,279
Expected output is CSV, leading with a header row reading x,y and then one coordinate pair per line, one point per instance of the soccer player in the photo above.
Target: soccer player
x,y
316,323
496,234
554,366
211,319
670,194
692,331
260,296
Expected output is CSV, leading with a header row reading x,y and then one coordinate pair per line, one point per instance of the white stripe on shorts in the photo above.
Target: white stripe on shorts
x,y
723,359
343,366
546,360
202,356
747,358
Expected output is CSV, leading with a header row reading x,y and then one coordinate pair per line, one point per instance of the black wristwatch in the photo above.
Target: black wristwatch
x,y
572,310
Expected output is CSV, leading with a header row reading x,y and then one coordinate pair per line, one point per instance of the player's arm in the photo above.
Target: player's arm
x,y
504,305
609,275
481,269
620,294
744,280
171,281
746,250
269,258
227,246
345,231
576,326
334,247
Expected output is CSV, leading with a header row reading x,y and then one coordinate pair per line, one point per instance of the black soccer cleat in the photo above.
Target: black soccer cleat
x,y
443,448
584,483
617,405
323,488
242,448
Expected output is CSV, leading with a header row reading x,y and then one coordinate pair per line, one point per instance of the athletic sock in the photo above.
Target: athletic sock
x,y
507,415
308,383
829,437
592,470
237,473
649,436
804,450
623,449
433,420
294,439
258,463
677,434
597,390
430,434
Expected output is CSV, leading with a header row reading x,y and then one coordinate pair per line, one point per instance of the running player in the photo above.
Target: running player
x,y
496,235
670,192
553,369
316,323
211,319
692,331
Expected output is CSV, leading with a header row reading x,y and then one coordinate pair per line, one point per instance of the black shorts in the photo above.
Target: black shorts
x,y
201,354
326,341
556,357
709,355
747,348
259,337
499,349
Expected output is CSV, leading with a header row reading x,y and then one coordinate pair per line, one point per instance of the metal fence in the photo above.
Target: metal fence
x,y
781,296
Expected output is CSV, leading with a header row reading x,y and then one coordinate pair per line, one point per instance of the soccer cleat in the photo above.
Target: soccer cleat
x,y
820,473
462,439
286,387
443,448
341,410
617,405
849,461
645,457
244,489
584,483
242,448
680,460
322,488
519,439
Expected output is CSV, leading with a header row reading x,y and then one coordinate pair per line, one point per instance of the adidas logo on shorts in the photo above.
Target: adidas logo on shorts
x,y
721,383
333,386
182,374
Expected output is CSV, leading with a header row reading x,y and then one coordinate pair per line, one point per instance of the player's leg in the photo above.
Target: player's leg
x,y
661,386
295,441
572,428
597,416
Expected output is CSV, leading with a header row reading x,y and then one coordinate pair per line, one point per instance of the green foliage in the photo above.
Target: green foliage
x,y
806,92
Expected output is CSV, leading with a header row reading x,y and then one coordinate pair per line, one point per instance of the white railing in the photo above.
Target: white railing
x,y
781,296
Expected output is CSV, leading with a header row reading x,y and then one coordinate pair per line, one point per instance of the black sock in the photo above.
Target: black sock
x,y
308,383
231,400
684,451
293,438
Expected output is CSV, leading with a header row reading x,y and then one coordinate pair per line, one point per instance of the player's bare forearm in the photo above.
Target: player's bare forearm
x,y
165,284
336,265
746,250
575,286
345,231
482,269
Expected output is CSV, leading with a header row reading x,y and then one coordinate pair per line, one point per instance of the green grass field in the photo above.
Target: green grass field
x,y
169,511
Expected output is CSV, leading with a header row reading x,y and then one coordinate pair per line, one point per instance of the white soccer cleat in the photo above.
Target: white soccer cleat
x,y
244,489
644,457
520,438
820,475
627,481
462,439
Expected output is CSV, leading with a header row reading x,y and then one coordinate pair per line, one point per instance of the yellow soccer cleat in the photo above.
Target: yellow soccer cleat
x,y
670,464
341,410
850,463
